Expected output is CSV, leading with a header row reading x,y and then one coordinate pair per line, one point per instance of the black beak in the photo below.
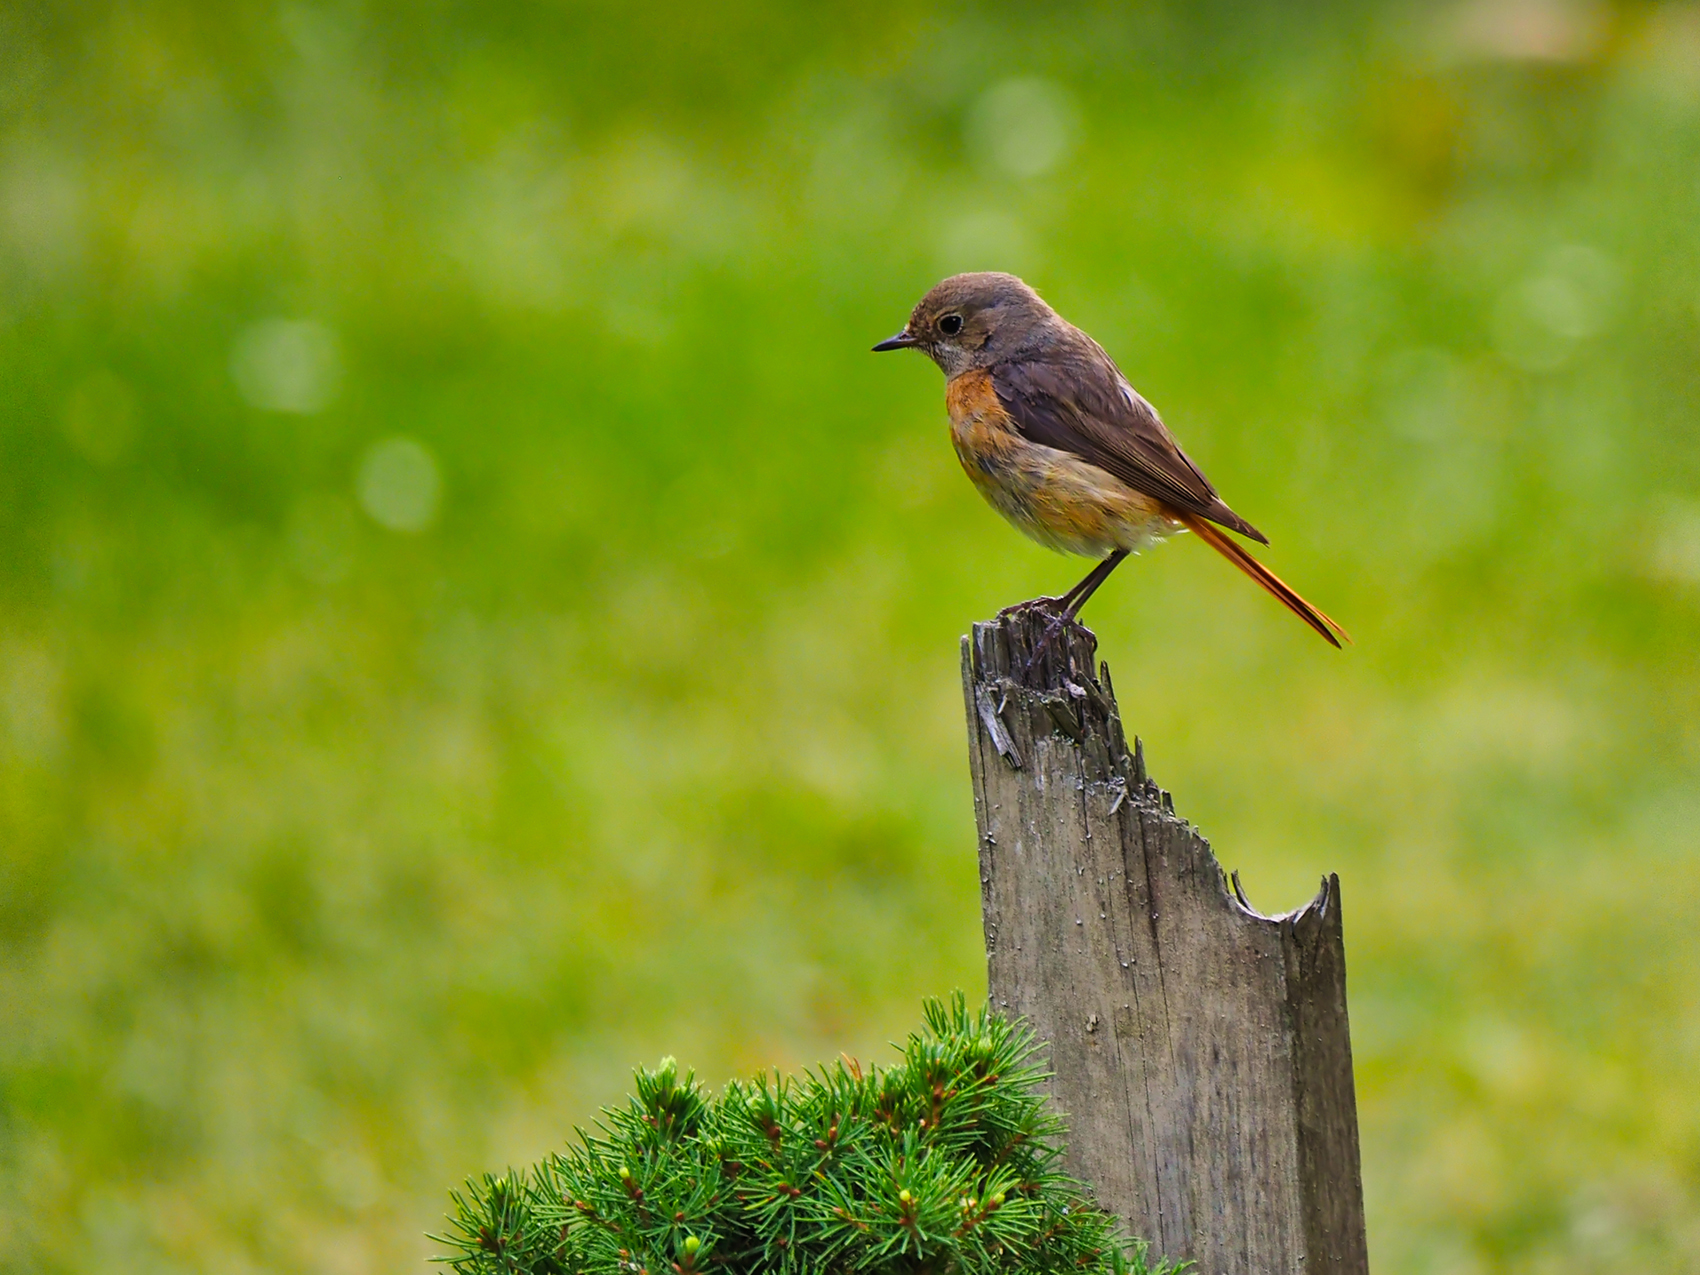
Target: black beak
x,y
902,341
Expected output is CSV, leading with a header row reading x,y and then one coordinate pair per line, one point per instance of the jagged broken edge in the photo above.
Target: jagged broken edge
x,y
1131,762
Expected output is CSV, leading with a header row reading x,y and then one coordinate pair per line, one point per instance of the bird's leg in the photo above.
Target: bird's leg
x,y
1066,604
1077,597
1072,601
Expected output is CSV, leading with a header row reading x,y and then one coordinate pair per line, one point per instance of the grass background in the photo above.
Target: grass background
x,y
473,616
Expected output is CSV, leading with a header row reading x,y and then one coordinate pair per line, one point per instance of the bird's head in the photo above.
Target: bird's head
x,y
972,321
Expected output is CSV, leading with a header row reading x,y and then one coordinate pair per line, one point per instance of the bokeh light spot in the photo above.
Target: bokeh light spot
x,y
287,365
1538,322
1023,127
399,485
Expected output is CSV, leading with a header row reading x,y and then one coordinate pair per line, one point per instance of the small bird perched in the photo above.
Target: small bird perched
x,y
1052,434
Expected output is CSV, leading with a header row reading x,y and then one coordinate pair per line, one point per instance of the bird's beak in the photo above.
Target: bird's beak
x,y
902,341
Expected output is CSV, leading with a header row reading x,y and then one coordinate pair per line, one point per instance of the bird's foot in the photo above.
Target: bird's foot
x,y
1046,606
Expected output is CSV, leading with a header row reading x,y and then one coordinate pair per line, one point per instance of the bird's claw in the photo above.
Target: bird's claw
x,y
1046,605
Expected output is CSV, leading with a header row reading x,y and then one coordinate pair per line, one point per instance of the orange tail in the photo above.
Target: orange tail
x,y
1220,542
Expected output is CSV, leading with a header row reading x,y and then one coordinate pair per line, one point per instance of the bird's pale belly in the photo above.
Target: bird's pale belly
x,y
1055,497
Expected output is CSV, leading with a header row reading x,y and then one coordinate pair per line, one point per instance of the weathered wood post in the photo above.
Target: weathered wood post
x,y
1200,1049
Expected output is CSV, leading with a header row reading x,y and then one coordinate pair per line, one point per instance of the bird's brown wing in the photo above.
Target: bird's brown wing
x,y
1077,401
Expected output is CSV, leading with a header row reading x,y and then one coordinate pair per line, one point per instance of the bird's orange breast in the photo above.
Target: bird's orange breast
x,y
1053,496
986,438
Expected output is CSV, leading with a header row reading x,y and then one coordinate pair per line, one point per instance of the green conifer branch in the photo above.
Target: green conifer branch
x,y
945,1163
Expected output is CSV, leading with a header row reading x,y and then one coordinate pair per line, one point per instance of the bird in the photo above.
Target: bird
x,y
1061,444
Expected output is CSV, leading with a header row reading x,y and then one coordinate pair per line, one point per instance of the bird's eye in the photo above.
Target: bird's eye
x,y
950,324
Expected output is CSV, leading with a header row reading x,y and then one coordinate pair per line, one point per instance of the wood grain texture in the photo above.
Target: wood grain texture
x,y
1201,1050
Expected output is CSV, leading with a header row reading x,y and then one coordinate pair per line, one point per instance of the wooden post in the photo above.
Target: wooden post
x,y
1200,1049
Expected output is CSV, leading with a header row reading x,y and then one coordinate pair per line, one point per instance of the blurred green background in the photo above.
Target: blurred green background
x,y
474,616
